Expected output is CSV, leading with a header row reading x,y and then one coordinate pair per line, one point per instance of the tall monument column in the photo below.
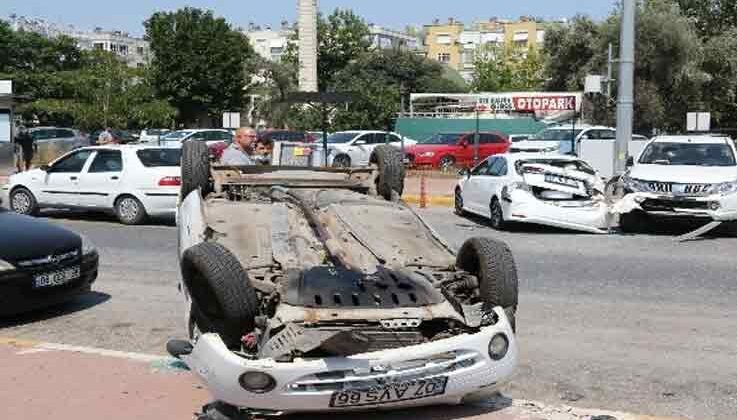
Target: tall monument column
x,y
307,25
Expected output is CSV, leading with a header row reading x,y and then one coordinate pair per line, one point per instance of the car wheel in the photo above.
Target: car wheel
x,y
129,210
342,161
458,203
634,222
491,261
223,299
195,168
388,159
447,163
22,201
496,216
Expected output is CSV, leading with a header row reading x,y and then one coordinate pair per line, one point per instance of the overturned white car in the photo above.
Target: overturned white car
x,y
553,190
690,176
315,289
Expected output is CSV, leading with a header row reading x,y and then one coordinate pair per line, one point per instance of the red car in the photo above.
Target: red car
x,y
448,150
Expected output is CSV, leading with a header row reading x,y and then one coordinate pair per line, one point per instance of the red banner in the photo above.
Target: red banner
x,y
544,103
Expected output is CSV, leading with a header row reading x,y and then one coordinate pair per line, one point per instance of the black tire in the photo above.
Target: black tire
x,y
223,299
391,170
458,203
342,161
129,210
22,201
447,163
491,261
634,222
195,168
496,216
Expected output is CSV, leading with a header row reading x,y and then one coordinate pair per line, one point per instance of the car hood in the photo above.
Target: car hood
x,y
534,145
33,174
25,237
684,174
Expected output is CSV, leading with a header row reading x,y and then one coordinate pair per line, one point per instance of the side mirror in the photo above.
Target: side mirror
x,y
630,162
44,168
464,172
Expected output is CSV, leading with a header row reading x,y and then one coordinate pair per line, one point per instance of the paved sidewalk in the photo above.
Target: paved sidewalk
x,y
58,382
439,190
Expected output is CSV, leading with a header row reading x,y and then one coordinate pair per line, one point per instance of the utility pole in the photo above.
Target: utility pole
x,y
625,101
307,25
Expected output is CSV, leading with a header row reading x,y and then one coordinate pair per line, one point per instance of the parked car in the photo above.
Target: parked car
x,y
514,138
286,135
545,189
152,135
445,151
563,139
209,136
41,264
52,142
689,177
119,136
132,181
318,135
313,291
354,148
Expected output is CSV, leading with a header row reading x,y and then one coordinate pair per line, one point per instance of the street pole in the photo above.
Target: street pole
x,y
625,101
476,139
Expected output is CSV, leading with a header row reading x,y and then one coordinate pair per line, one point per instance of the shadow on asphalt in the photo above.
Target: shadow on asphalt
x,y
80,303
493,404
480,222
93,216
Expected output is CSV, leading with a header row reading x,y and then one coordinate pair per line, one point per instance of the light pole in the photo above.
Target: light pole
x,y
625,101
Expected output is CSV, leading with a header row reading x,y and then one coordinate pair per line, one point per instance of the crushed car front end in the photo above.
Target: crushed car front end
x,y
437,372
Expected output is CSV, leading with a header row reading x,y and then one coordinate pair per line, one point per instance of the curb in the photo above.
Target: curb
x,y
430,200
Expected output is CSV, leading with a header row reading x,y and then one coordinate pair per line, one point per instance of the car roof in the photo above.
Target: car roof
x,y
693,138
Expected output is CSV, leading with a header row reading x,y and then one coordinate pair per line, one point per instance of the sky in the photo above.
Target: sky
x,y
128,15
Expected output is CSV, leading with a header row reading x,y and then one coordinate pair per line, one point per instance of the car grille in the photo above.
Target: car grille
x,y
341,380
56,260
653,204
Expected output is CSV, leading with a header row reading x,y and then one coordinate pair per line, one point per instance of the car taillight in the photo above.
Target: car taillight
x,y
170,181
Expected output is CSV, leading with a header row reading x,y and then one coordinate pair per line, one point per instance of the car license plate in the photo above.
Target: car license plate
x,y
56,278
390,393
561,180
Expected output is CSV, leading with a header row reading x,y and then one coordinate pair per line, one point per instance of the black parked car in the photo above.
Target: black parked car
x,y
41,264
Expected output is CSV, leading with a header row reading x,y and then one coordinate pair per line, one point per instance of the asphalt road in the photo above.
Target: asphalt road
x,y
632,323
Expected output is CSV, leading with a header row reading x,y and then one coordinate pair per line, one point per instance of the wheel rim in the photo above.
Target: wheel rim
x,y
446,163
128,209
459,201
496,214
341,162
21,203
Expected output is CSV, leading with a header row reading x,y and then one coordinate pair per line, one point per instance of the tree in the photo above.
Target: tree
x,y
498,69
712,17
200,64
569,51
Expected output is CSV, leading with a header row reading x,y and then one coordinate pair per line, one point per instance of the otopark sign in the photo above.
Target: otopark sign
x,y
529,102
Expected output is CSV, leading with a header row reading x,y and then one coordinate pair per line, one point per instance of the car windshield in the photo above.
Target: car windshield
x,y
689,154
152,158
570,164
442,139
177,135
555,134
342,137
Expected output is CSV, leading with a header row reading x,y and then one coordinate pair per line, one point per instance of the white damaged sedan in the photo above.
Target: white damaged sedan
x,y
692,177
553,190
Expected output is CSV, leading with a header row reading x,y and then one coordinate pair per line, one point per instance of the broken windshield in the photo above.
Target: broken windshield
x,y
689,154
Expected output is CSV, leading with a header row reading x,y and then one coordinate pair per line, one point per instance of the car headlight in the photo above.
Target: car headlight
x,y
88,247
6,266
635,185
427,154
498,346
725,188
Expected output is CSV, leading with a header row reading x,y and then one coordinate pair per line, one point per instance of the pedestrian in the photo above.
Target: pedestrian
x,y
106,137
240,152
25,146
263,151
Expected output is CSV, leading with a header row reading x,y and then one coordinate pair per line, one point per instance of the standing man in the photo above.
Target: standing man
x,y
25,147
106,137
240,152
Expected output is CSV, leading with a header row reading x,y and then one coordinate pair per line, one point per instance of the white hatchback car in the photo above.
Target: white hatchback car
x,y
559,191
353,148
133,181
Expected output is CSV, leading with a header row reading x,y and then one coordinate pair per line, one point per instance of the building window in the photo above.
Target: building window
x,y
140,50
468,56
444,57
123,49
443,39
114,48
99,46
140,65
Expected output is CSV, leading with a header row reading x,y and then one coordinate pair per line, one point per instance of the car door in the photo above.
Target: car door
x,y
492,184
464,151
99,184
492,144
361,148
473,185
60,185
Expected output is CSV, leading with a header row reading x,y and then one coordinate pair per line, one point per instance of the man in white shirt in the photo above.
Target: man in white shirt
x,y
239,153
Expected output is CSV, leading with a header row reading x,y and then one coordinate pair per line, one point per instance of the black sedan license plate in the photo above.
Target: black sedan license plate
x,y
56,278
390,393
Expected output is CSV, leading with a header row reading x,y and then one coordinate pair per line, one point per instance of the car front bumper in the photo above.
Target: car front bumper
x,y
299,387
523,207
17,294
714,207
